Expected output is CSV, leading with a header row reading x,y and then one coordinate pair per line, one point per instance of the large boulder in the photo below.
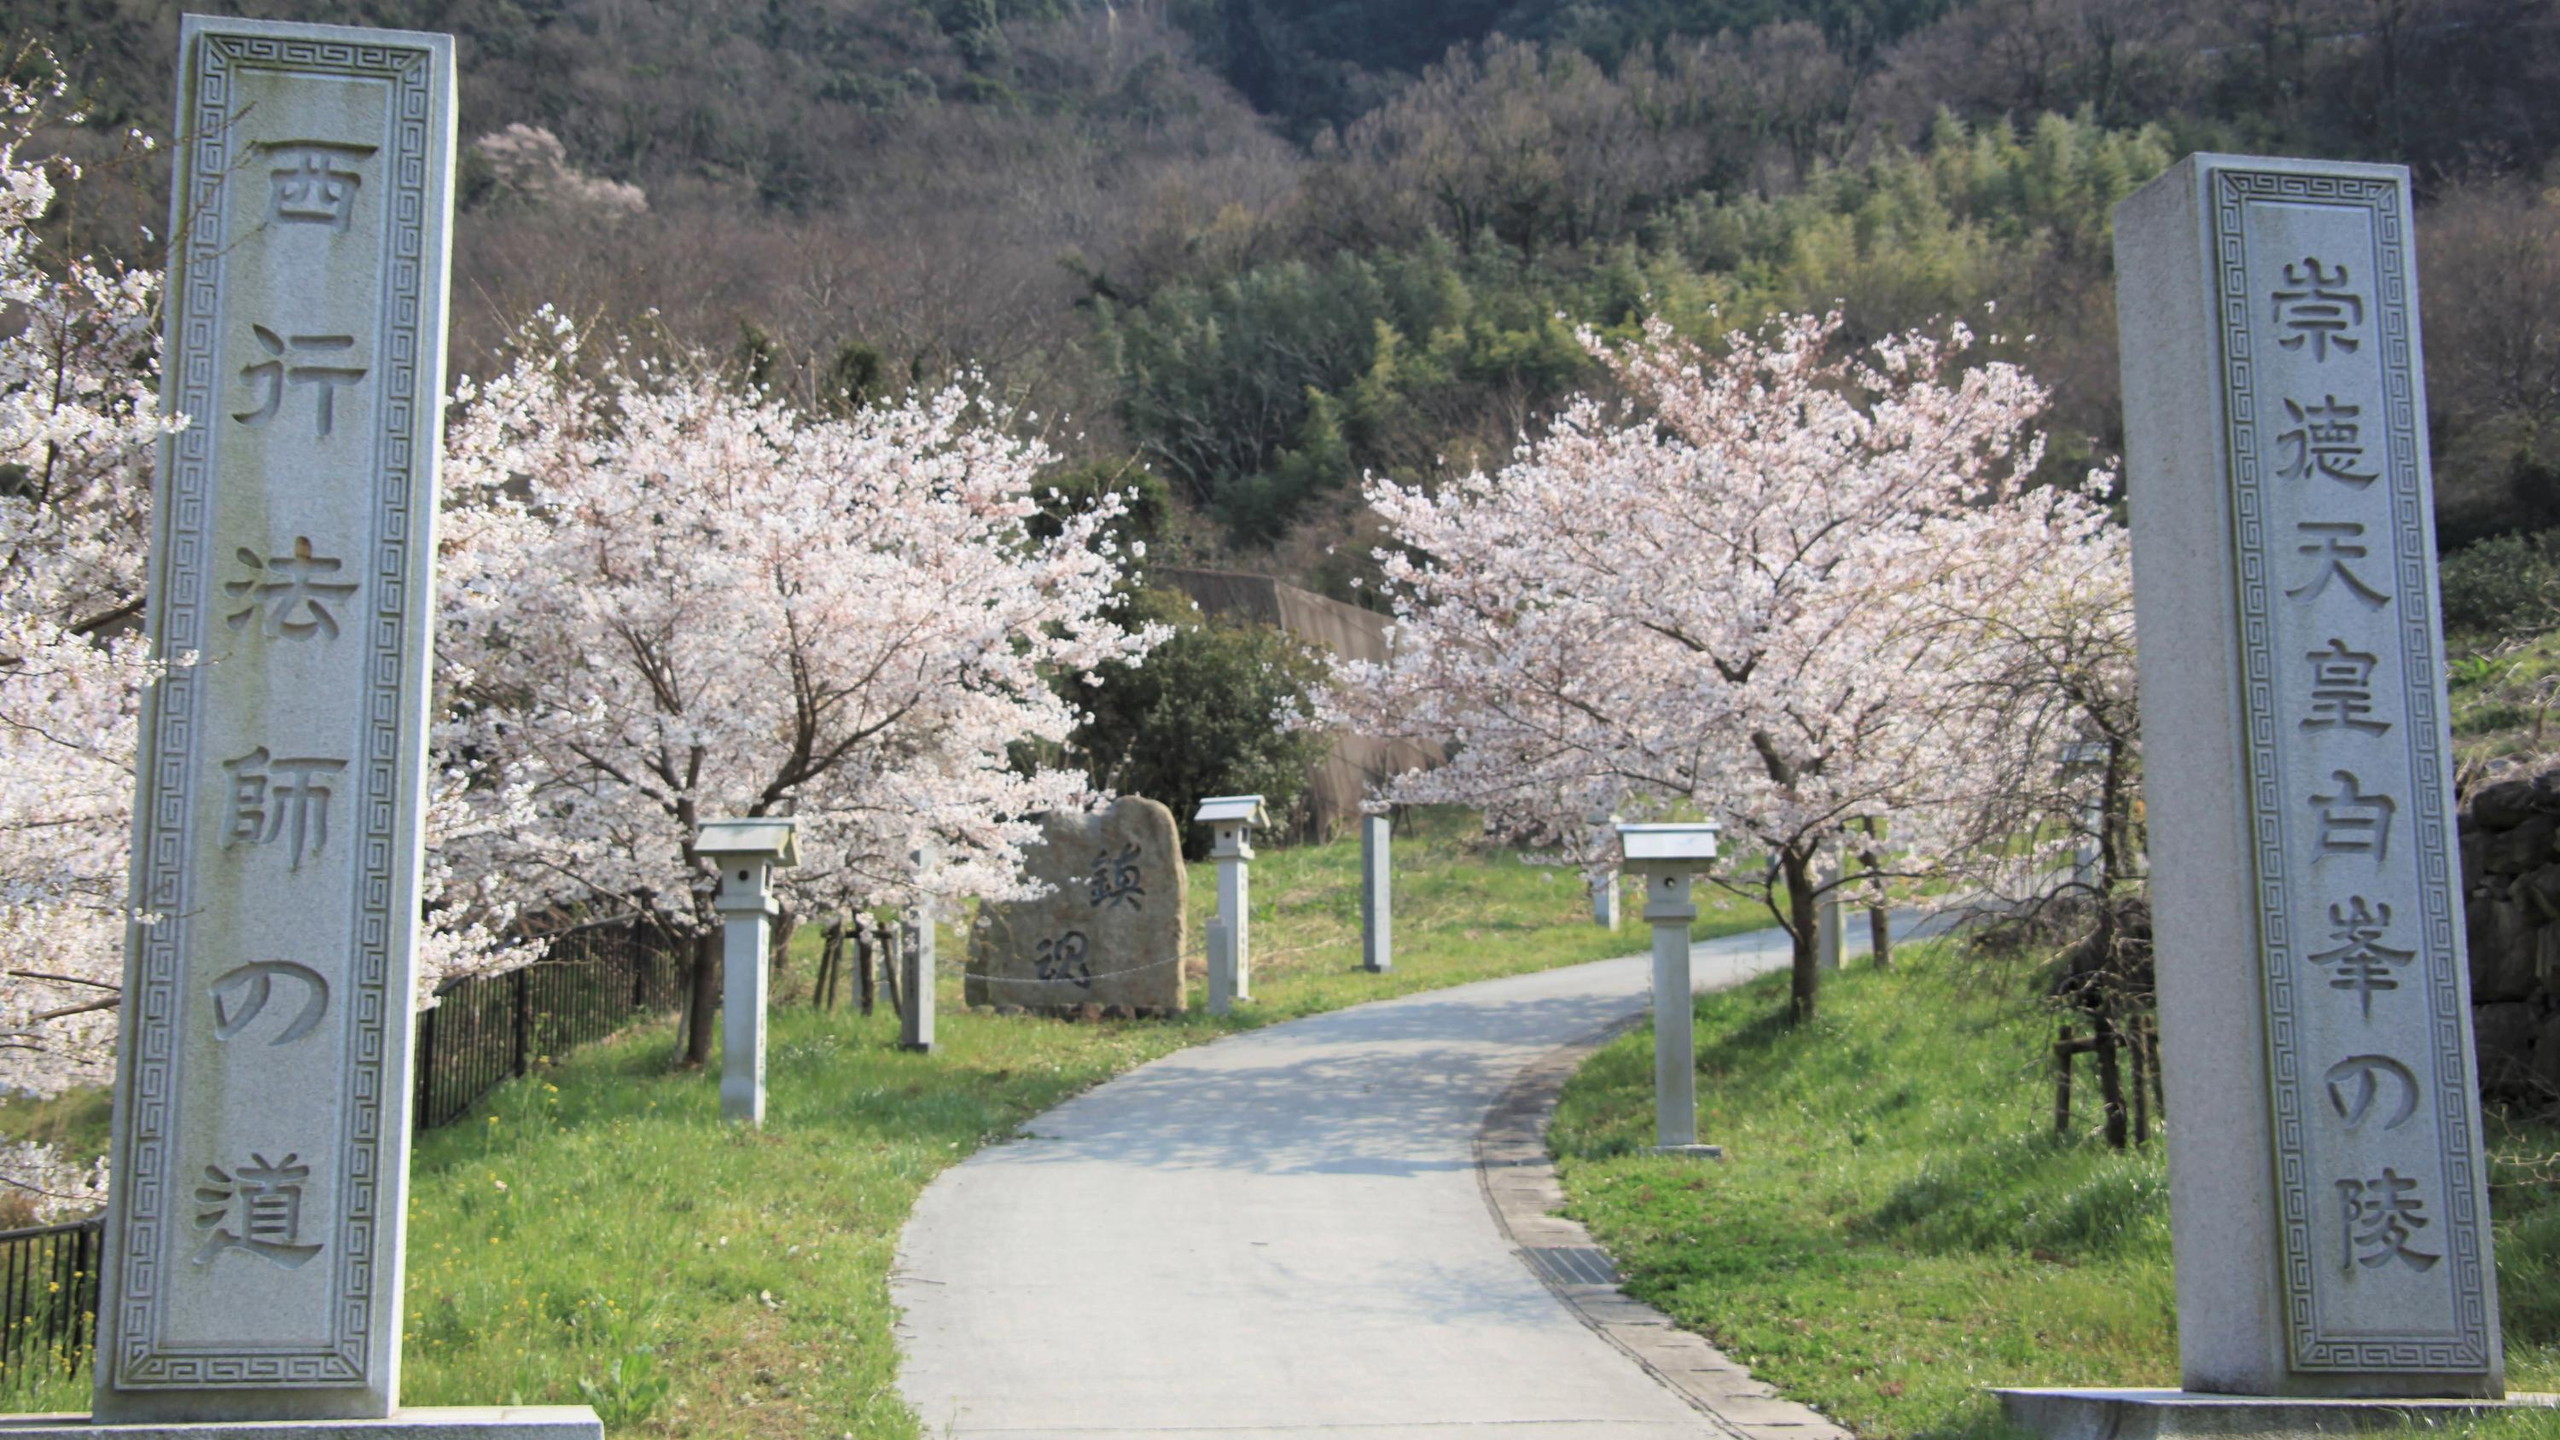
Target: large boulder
x,y
1109,932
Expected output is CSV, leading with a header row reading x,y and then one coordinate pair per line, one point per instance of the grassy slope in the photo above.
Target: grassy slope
x,y
595,1234
1897,1227
2503,697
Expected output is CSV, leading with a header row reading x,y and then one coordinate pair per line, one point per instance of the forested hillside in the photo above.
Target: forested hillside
x,y
1257,247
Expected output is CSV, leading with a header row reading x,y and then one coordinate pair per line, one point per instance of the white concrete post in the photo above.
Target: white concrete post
x,y
915,1030
1231,819
1603,880
2084,859
1377,944
1235,893
1222,968
1668,907
1826,910
745,934
2084,757
1670,857
747,853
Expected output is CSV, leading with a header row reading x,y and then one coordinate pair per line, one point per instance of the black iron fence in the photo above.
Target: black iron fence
x,y
491,1028
48,1296
482,1031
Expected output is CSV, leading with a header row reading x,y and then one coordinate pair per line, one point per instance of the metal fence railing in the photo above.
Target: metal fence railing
x,y
492,1028
48,1295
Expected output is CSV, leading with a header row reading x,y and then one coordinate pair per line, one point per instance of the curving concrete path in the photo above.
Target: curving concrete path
x,y
1283,1233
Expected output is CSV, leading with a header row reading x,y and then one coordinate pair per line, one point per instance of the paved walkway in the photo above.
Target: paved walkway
x,y
1284,1233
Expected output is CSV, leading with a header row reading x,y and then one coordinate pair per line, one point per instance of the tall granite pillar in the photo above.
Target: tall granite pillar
x,y
2326,1183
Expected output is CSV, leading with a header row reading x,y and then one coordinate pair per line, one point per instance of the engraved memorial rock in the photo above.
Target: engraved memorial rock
x,y
1110,931
2325,1165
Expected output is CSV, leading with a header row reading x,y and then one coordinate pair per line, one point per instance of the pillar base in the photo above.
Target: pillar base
x,y
459,1422
2060,1414
1687,1152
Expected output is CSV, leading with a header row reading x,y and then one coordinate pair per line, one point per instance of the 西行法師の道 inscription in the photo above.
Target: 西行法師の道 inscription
x,y
254,1243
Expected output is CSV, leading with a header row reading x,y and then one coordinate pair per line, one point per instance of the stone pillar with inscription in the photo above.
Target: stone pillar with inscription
x,y
2330,1221
253,1249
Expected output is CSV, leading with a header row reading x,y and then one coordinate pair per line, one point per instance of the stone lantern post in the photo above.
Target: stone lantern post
x,y
747,853
1231,820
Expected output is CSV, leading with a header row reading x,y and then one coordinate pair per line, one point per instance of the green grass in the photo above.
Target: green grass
x,y
1896,1225
594,1234
2502,695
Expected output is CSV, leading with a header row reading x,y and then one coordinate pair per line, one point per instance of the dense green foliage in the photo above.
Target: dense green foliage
x,y
1262,392
1895,1225
1266,392
2504,586
1314,62
1205,715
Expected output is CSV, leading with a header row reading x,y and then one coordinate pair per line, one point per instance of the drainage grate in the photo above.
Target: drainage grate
x,y
1572,1264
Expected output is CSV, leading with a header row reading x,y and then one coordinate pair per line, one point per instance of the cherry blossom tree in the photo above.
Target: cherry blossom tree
x,y
669,599
78,424
1736,594
2050,843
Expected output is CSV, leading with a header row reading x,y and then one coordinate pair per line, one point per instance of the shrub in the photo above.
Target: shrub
x,y
2504,586
1205,715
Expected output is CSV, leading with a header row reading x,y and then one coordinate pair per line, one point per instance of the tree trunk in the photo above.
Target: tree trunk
x,y
1803,919
706,998
865,962
896,961
2140,1056
1879,913
2063,1050
2111,1083
2159,1088
822,989
785,925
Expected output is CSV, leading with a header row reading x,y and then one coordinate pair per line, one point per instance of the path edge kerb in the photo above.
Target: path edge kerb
x,y
1519,1184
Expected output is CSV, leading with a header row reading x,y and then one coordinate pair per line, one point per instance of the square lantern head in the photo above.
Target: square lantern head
x,y
1670,849
2084,756
1232,810
1230,819
746,853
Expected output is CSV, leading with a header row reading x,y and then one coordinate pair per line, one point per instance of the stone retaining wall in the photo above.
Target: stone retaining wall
x,y
2511,890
